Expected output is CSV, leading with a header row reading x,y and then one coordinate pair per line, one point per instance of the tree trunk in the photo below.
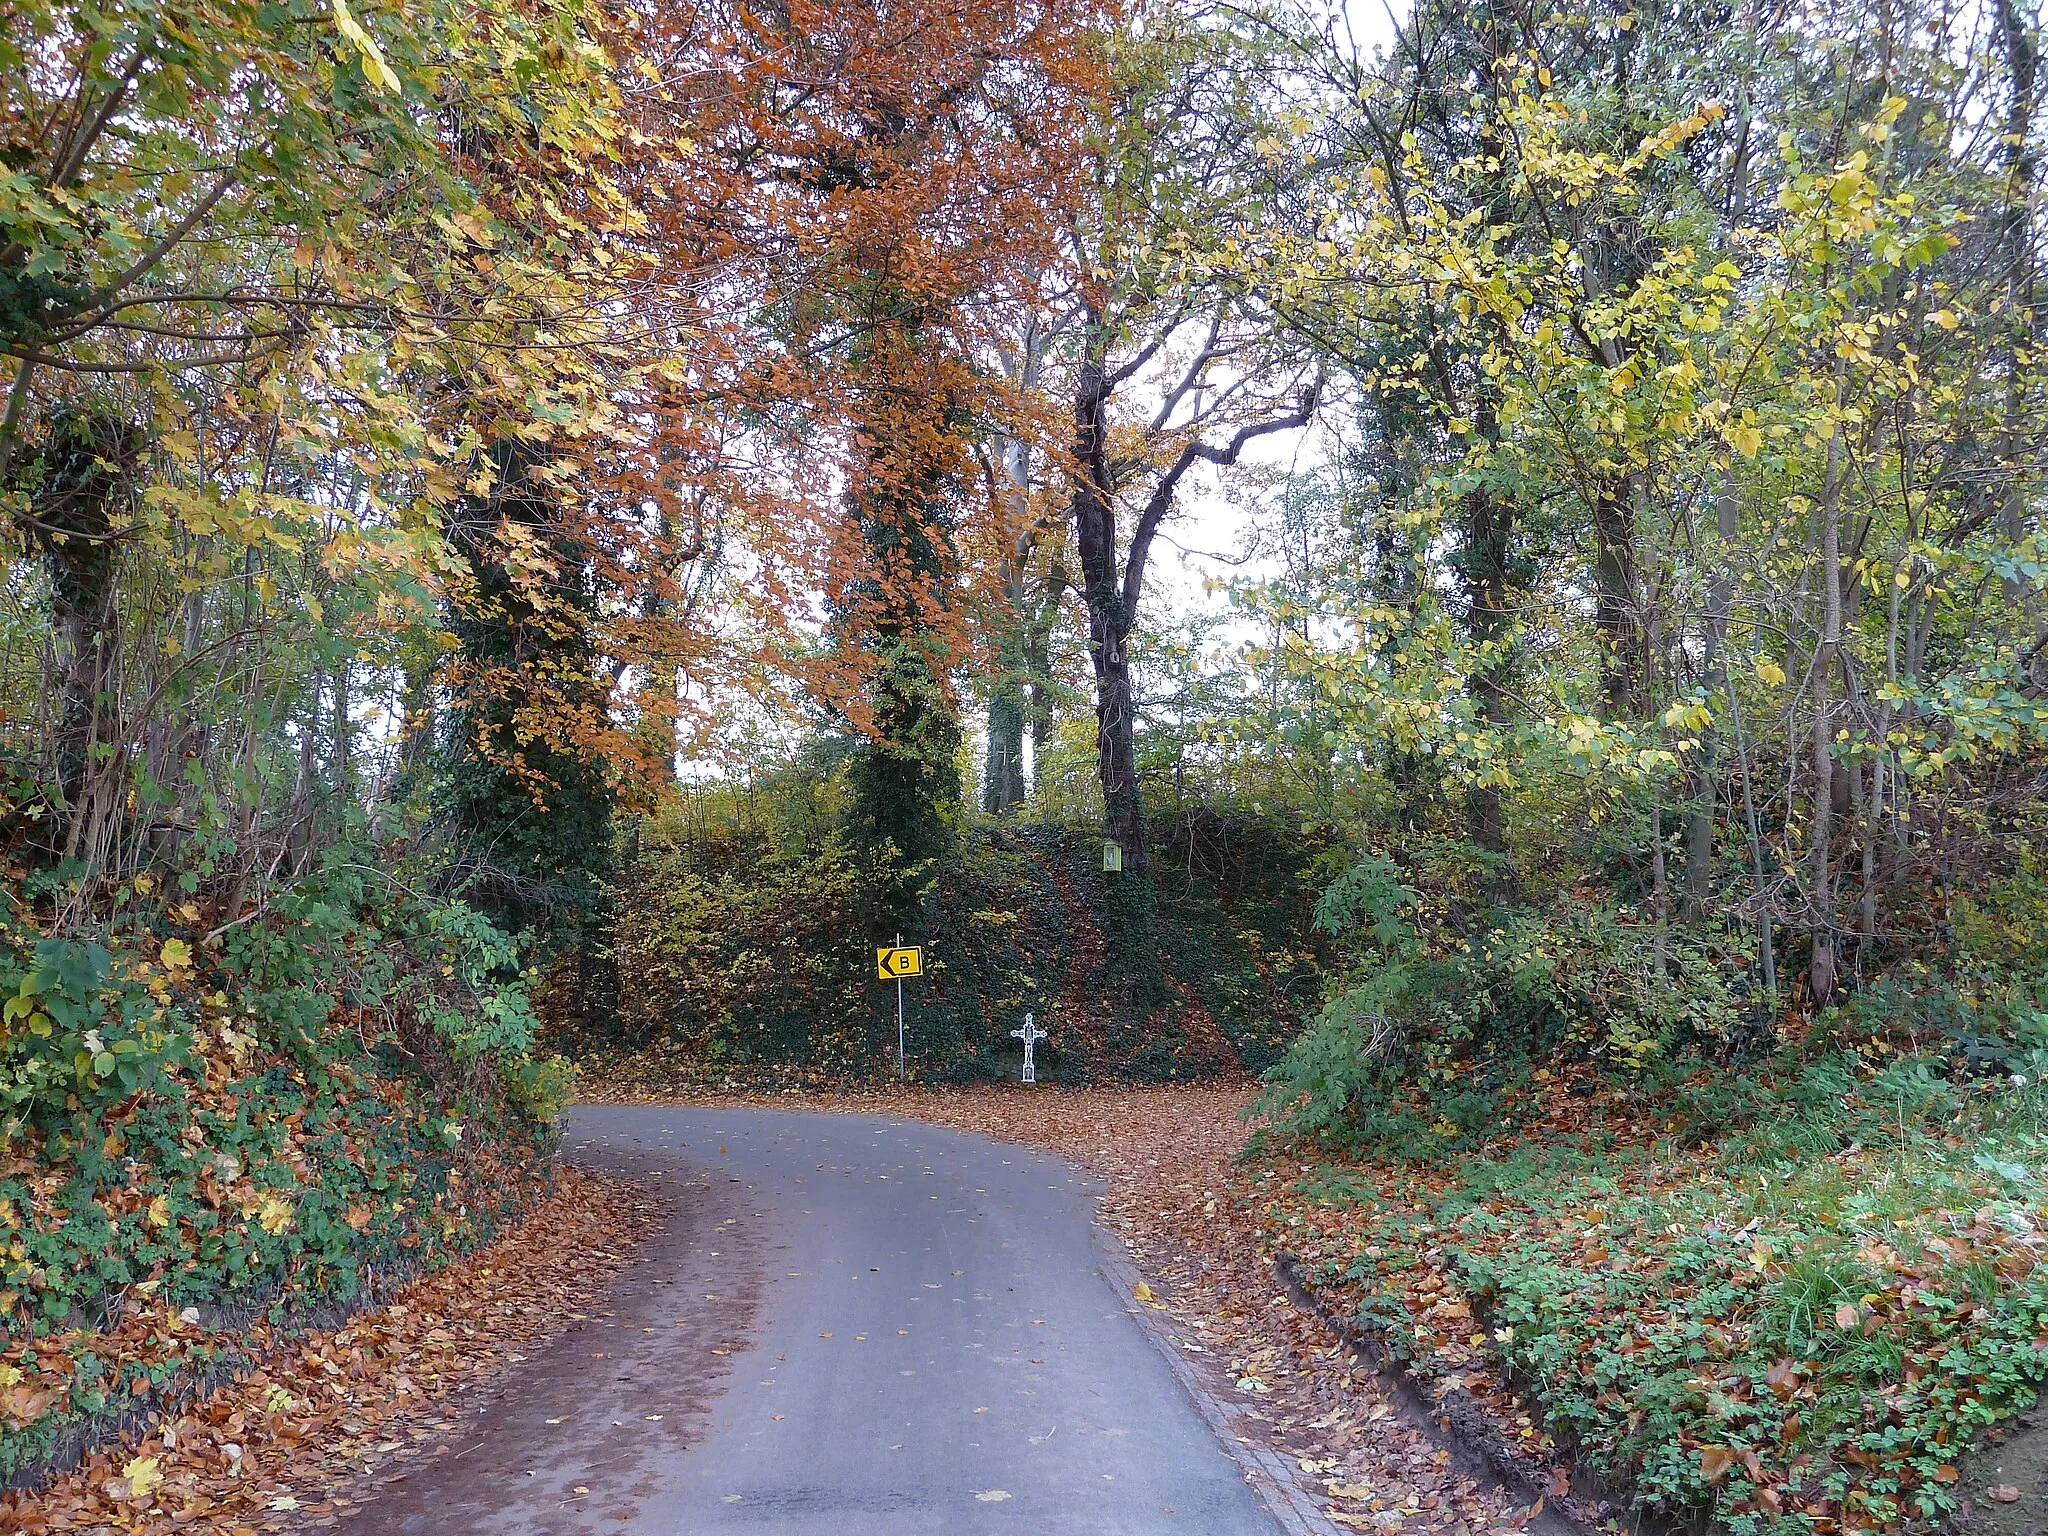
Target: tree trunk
x,y
1117,759
1489,523
1002,788
416,743
1109,626
87,466
1821,970
1869,801
1660,893
344,768
2018,41
1038,667
1699,821
1614,601
1767,963
658,721
1003,784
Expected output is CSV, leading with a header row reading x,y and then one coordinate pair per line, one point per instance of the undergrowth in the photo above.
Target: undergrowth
x,y
748,961
1801,1326
1550,1162
327,1097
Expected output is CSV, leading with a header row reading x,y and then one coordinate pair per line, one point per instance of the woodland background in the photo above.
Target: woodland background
x,y
541,530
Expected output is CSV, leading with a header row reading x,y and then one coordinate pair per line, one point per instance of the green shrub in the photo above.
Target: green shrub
x,y
339,1090
1812,1321
1413,1047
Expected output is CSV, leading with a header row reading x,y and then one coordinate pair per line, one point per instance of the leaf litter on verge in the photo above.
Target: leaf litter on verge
x,y
289,1444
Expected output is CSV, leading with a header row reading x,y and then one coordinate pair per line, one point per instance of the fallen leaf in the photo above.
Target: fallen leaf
x,y
992,1496
2005,1493
452,1329
275,1215
143,1474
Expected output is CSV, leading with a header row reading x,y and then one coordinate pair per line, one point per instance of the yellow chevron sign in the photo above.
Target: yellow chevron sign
x,y
895,964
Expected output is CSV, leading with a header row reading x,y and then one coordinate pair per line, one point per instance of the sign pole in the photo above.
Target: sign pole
x,y
902,1072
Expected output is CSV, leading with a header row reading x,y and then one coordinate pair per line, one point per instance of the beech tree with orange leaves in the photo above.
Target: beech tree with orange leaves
x,y
818,201
852,183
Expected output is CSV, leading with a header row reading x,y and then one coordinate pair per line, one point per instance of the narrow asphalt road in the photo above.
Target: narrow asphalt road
x,y
853,1326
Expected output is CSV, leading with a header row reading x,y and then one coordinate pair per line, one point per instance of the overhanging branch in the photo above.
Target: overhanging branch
x,y
1199,452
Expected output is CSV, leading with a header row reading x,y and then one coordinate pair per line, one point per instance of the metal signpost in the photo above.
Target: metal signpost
x,y
894,964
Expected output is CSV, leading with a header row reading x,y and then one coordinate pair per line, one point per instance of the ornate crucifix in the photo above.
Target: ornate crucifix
x,y
1030,1034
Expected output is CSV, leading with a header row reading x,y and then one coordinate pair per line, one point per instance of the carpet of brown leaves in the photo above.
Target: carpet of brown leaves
x,y
287,1448
1188,1216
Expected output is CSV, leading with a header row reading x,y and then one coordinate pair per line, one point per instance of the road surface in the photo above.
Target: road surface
x,y
852,1326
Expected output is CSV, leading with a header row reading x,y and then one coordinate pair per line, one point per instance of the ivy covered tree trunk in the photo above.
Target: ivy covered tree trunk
x,y
1039,694
905,777
906,781
1002,789
87,465
1021,694
1116,712
532,822
1003,784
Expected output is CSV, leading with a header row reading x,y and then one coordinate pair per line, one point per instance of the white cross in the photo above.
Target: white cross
x,y
1030,1034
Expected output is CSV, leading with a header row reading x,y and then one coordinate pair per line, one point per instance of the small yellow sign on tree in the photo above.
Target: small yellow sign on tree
x,y
901,961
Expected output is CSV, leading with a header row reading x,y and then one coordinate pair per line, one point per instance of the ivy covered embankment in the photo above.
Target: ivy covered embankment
x,y
1708,1286
276,1122
746,962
